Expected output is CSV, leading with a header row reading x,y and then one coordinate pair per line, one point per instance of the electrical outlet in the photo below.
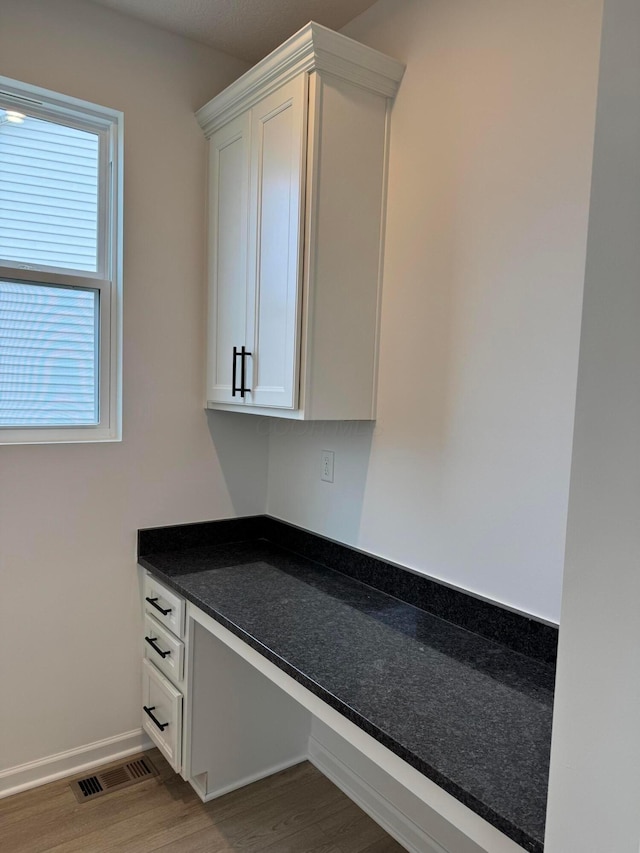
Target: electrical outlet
x,y
326,472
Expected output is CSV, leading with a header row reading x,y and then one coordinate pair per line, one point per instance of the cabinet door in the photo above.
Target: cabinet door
x,y
162,714
229,163
278,160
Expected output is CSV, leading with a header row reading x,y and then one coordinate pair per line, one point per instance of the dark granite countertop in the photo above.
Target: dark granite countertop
x,y
470,714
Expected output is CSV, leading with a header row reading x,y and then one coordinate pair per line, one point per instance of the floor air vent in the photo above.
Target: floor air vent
x,y
113,779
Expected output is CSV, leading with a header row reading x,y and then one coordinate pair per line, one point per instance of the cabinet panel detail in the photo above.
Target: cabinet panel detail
x,y
162,713
277,180
229,171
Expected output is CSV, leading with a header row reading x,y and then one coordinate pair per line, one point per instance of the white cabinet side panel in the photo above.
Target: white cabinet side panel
x,y
243,727
343,259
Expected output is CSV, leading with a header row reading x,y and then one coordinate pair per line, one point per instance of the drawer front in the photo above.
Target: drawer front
x,y
164,605
162,719
163,649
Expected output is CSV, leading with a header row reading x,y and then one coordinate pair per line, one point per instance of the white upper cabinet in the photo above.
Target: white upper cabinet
x,y
298,153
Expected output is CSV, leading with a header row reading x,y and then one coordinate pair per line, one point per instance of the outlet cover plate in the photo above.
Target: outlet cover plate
x,y
326,469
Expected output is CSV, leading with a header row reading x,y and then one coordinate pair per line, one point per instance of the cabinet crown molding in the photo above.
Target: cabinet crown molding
x,y
313,48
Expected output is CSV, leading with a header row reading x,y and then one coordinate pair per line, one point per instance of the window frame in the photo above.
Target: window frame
x,y
107,279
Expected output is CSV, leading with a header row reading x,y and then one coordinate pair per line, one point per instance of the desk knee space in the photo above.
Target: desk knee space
x,y
241,726
247,719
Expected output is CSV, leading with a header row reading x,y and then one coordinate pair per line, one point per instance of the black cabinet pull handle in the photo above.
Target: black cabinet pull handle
x,y
152,643
234,375
243,369
161,726
154,603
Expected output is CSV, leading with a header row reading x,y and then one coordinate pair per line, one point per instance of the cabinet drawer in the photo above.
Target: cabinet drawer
x,y
162,713
164,605
163,649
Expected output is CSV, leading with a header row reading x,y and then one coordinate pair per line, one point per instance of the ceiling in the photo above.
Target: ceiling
x,y
248,29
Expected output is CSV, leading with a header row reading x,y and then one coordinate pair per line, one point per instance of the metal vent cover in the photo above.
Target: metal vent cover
x,y
113,779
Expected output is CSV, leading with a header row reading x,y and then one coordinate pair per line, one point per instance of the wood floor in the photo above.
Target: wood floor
x,y
296,811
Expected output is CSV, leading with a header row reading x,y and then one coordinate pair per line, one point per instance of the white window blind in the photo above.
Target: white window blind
x,y
48,355
49,180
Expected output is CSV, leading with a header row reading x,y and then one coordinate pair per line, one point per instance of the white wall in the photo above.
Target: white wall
x,y
595,765
466,475
69,601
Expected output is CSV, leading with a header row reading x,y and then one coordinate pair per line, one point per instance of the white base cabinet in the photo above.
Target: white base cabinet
x,y
163,669
217,720
298,152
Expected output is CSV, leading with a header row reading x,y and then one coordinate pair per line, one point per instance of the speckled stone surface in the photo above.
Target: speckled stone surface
x,y
517,631
469,713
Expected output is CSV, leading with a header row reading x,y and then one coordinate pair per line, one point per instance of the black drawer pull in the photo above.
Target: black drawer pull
x,y
152,643
243,372
161,726
154,603
241,354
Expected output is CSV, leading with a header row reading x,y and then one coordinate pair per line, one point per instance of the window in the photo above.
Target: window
x,y
60,268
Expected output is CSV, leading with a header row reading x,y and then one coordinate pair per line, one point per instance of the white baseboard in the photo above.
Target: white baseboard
x,y
405,831
206,797
35,773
